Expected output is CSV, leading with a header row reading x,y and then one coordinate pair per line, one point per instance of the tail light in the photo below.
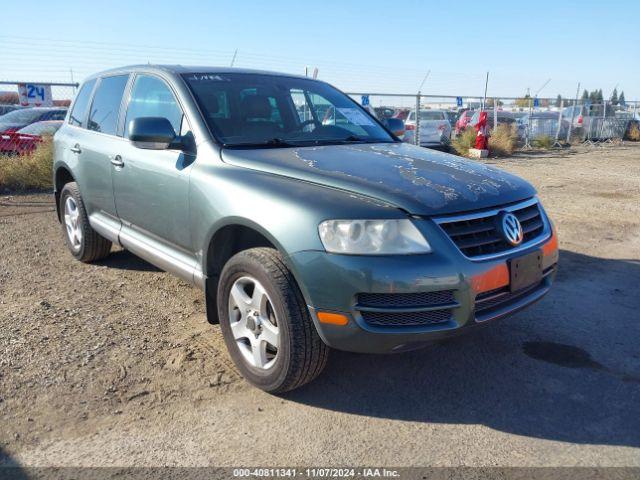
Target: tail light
x,y
409,127
579,119
442,127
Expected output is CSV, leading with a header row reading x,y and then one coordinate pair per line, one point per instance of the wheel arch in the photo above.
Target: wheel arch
x,y
227,238
61,176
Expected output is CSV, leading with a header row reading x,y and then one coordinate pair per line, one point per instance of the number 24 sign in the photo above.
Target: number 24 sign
x,y
35,95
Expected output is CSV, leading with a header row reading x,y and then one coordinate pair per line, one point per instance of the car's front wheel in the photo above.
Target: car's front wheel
x,y
84,243
266,324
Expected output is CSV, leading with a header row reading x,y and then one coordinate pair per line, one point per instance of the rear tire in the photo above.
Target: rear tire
x,y
300,355
84,243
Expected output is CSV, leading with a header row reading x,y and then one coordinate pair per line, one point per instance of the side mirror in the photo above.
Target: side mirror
x,y
152,133
395,125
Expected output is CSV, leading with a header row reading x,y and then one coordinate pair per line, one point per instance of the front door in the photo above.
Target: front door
x,y
151,187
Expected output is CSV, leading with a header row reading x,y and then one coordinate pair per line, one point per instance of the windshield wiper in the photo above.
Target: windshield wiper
x,y
279,142
357,139
272,142
352,138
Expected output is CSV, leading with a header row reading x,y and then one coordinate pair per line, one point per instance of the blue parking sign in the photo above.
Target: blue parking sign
x,y
459,101
365,100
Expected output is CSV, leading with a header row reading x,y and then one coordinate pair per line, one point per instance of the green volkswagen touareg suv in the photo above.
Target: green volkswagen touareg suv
x,y
304,234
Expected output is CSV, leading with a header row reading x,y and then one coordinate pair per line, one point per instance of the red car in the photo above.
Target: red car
x,y
28,138
17,119
463,121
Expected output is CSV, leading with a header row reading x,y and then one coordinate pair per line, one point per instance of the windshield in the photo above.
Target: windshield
x,y
27,115
431,115
245,109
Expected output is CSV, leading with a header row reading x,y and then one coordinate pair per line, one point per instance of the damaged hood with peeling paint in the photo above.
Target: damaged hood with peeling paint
x,y
420,181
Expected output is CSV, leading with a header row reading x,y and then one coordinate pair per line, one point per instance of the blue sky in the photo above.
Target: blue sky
x,y
357,45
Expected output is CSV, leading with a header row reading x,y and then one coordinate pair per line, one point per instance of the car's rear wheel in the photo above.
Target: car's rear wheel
x,y
84,243
266,324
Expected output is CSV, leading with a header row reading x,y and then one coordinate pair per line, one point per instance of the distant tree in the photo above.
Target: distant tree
x,y
600,96
559,100
621,101
585,96
9,98
614,97
593,96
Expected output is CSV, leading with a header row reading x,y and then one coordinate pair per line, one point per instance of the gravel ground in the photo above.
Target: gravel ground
x,y
114,363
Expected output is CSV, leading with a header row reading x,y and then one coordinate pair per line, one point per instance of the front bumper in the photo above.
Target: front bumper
x,y
332,283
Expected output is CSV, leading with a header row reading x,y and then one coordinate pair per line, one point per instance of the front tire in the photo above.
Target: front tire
x,y
266,324
84,243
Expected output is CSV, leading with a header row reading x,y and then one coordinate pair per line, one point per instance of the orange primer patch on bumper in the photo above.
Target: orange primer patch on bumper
x,y
497,277
551,246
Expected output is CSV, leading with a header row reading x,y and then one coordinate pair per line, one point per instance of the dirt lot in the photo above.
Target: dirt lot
x,y
114,363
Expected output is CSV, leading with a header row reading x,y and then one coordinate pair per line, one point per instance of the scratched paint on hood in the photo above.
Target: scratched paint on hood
x,y
421,181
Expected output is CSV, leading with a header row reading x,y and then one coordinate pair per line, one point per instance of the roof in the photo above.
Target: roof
x,y
182,69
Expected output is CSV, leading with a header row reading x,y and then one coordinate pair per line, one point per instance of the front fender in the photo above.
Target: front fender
x,y
286,211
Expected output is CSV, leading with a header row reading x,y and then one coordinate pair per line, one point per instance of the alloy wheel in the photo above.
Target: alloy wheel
x,y
72,222
253,323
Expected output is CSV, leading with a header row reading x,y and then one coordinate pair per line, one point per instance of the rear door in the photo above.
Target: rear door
x,y
66,141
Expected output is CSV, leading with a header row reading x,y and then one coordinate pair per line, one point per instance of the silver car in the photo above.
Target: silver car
x,y
435,129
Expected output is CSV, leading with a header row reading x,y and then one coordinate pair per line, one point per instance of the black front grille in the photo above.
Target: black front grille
x,y
419,299
406,309
406,319
500,296
480,236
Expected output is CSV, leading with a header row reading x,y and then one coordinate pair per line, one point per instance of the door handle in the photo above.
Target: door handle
x,y
76,149
117,161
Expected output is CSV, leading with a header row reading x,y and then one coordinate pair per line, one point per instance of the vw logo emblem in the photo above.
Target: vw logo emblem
x,y
511,229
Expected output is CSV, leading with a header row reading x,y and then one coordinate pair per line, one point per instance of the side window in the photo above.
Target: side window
x,y
105,108
151,97
79,111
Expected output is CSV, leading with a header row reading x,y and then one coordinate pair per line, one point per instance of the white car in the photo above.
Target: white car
x,y
435,129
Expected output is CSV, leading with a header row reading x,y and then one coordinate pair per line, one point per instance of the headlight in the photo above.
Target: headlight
x,y
372,237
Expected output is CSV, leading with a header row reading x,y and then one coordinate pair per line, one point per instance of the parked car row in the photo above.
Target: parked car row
x,y
23,129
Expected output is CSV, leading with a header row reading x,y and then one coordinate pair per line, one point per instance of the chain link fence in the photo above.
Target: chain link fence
x,y
30,113
535,120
